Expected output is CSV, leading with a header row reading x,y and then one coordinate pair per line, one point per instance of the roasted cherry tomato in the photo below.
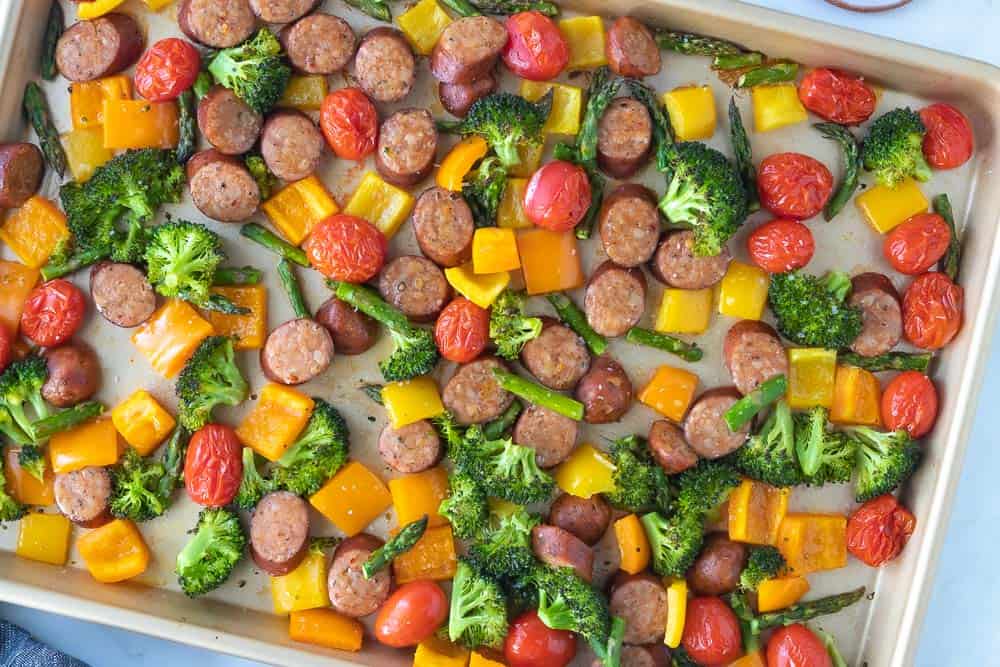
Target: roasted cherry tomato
x,y
557,196
796,646
167,69
910,402
6,348
462,330
878,530
917,244
52,313
948,142
350,123
781,245
535,48
932,311
793,185
837,96
711,632
531,643
411,614
345,247
213,468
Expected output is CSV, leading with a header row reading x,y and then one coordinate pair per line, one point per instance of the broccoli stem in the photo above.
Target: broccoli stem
x,y
747,407
686,351
237,276
890,361
951,260
36,108
374,392
377,9
53,31
610,654
574,318
291,285
851,150
539,395
369,303
806,611
173,463
187,124
203,83
72,264
663,132
774,73
728,61
400,543
691,44
272,242
744,155
65,420
496,429
463,8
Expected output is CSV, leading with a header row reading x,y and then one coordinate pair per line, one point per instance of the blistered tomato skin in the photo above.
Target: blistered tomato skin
x,y
949,140
918,244
167,69
910,402
346,247
781,245
557,196
837,96
52,313
932,311
796,646
792,185
878,530
535,49
411,614
349,123
530,643
213,466
462,331
711,632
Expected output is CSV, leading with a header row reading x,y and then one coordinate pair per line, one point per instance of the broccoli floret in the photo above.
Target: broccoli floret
x,y
884,461
478,614
452,434
567,602
209,378
31,458
253,485
136,489
256,70
466,507
504,470
641,485
763,563
21,387
318,453
811,311
893,149
10,509
824,456
510,327
266,181
769,455
704,192
208,559
483,190
502,549
505,121
674,540
9,427
703,488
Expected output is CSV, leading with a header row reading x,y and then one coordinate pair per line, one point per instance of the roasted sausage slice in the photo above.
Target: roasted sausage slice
x,y
279,532
717,569
296,352
676,265
74,375
443,225
605,391
458,98
319,43
84,496
384,65
641,601
227,122
631,49
282,11
416,286
409,449
705,428
21,170
587,518
669,448
615,299
557,357
352,331
560,548
222,187
291,145
629,224
881,314
216,23
473,394
350,593
468,49
624,138
549,433
101,47
121,294
407,145
753,353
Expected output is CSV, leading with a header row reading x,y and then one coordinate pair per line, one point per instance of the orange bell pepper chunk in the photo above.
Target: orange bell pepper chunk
x,y
813,542
755,659
352,498
325,627
140,124
550,261
756,511
86,99
418,494
273,424
34,230
298,207
432,557
775,594
857,397
437,652
114,552
670,391
632,544
24,486
458,162
494,250
16,283
94,443
250,330
142,422
170,336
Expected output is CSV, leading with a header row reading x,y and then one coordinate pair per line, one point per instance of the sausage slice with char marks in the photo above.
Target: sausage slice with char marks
x,y
282,11
296,352
444,227
74,375
407,146
279,532
705,428
629,225
615,299
84,496
624,138
319,43
669,448
605,391
416,286
409,449
560,548
468,49
753,353
291,145
121,294
458,98
100,47
216,23
227,122
641,601
350,593
473,395
558,357
676,265
385,66
881,314
631,49
550,434
717,569
352,331
21,170
222,187
587,518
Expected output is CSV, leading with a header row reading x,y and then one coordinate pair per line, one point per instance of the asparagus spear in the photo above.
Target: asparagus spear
x,y
773,73
744,156
237,276
536,393
187,124
496,429
729,61
691,44
400,543
950,262
479,7
747,407
649,338
269,240
890,361
374,392
574,318
36,108
173,462
377,9
663,132
46,427
852,167
53,31
291,286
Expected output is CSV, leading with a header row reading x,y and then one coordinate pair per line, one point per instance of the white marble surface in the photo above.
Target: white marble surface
x,y
963,624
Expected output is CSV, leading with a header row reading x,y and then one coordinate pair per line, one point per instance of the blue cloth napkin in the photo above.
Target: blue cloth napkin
x,y
18,649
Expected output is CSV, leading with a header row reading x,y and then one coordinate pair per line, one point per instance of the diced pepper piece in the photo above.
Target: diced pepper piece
x,y
86,99
85,152
93,443
114,552
510,214
670,391
585,36
157,5
352,498
16,282
304,92
418,494
412,400
775,594
24,486
325,627
432,557
34,230
273,424
95,8
45,538
813,542
481,289
550,261
857,397
296,208
142,422
140,124
692,112
775,106
567,105
755,659
423,24
677,594
530,159
494,250
885,208
380,203
250,330
477,659
170,336
811,375
684,311
743,291
756,511
633,546
587,472
436,652
459,161
302,588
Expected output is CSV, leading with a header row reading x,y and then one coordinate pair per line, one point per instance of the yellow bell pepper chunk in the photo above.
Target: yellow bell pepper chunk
x,y
684,311
587,472
494,250
459,161
24,486
435,652
477,659
142,422
756,511
86,99
813,542
755,659
743,291
550,261
633,545
692,112
481,289
250,330
34,230
811,375
380,203
775,594
91,10
298,207
114,552
302,588
140,124
418,494
304,92
94,443
776,106
157,5
170,336
567,105
530,159
16,283
412,400
432,557
510,213
327,628
670,391
272,425
423,24
857,397
677,596
886,209
45,538
352,498
585,37
85,152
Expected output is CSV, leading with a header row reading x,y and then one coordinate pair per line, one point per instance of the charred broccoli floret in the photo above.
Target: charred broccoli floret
x,y
208,559
641,484
267,182
31,458
703,488
762,564
769,454
675,541
478,614
567,602
256,70
466,507
502,549
21,393
884,461
824,456
503,469
505,121
210,378
483,190
318,453
510,326
811,310
10,509
137,492
893,149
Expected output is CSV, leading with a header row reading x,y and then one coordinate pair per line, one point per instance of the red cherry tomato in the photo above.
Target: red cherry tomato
x,y
411,614
531,643
711,632
948,142
781,245
837,96
878,530
52,313
345,247
932,311
535,49
6,348
917,244
213,467
793,185
350,123
167,69
796,646
462,330
557,196
910,402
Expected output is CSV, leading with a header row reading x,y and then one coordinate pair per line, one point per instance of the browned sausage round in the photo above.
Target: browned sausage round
x,y
411,448
631,49
319,43
705,428
352,331
717,569
629,224
216,23
753,353
282,11
549,433
407,145
557,357
624,138
560,548
669,448
881,315
468,49
291,145
473,394
74,375
615,299
222,187
279,532
458,98
641,601
350,593
296,352
675,263
227,122
121,294
443,225
21,170
101,47
384,65
83,496
605,391
587,518
416,286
